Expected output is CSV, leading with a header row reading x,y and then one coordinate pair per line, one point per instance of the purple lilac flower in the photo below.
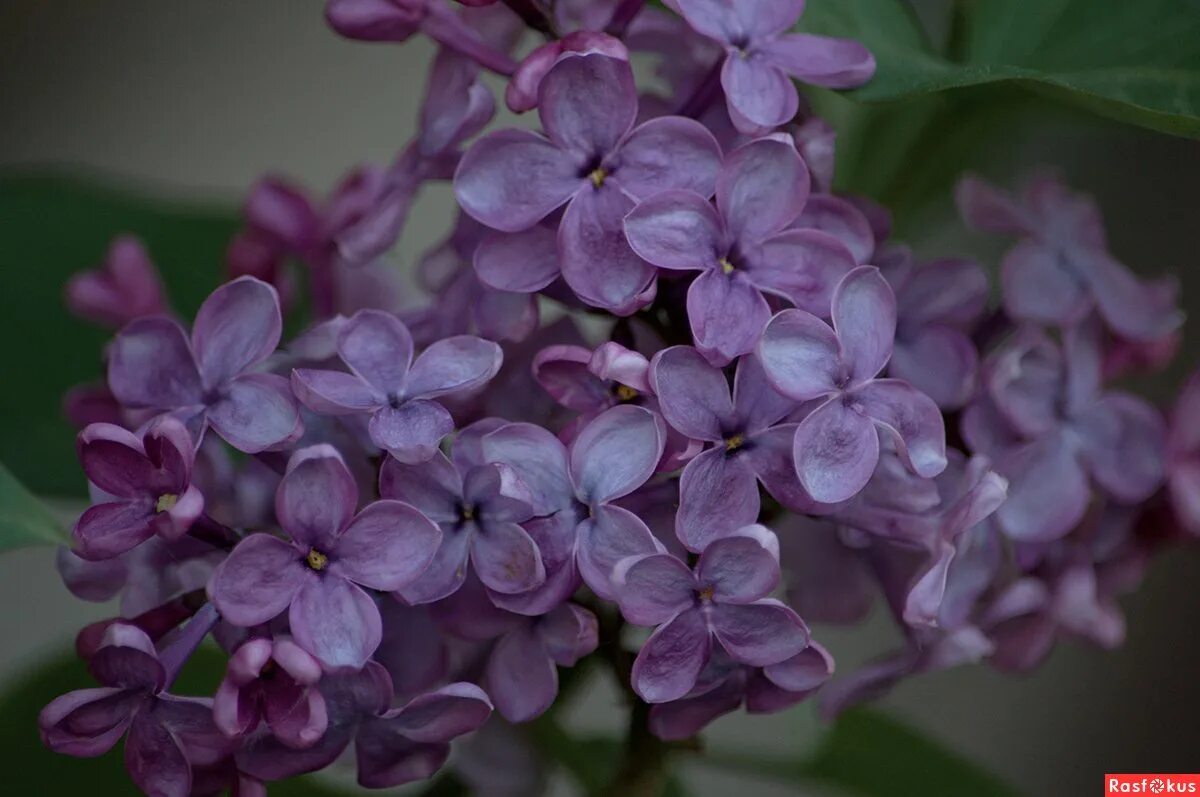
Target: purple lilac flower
x,y
836,447
272,681
393,746
725,685
319,572
594,161
209,380
718,491
479,507
741,247
522,670
165,735
938,303
394,389
125,287
815,140
840,218
723,599
1061,268
148,482
522,92
762,57
1183,457
578,529
1049,425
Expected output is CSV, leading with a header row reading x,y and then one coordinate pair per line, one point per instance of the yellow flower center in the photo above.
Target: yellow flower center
x,y
316,560
598,176
726,266
468,513
707,593
166,502
734,443
626,393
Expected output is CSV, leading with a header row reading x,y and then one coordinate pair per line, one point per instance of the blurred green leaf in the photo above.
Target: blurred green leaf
x,y
32,769
868,754
24,520
53,226
1134,61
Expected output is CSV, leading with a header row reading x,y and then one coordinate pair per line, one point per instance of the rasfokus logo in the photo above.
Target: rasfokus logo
x,y
1157,783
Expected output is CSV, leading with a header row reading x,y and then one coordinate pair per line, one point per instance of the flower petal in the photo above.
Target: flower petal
x,y
864,316
587,102
616,453
386,546
433,487
799,354
717,494
760,95
512,179
411,432
667,153
941,362
728,314
155,760
610,535
445,574
762,187
378,347
677,229
836,449
520,677
522,262
506,558
759,634
150,364
333,392
669,662
538,458
822,60
802,266
238,325
693,395
740,567
336,622
256,413
842,221
443,714
653,588
597,262
912,418
1037,288
316,497
563,372
1047,491
257,581
453,364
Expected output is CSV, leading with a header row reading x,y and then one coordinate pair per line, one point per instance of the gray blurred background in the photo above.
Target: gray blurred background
x,y
196,99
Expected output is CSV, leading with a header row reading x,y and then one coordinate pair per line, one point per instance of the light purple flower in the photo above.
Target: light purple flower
x,y
579,530
480,508
147,482
937,304
209,379
594,161
522,670
318,574
718,491
1061,268
125,287
272,681
1049,425
724,600
837,445
762,57
394,389
521,93
843,220
741,247
165,735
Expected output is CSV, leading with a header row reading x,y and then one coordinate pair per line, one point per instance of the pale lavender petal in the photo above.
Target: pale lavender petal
x,y
717,494
799,354
804,672
150,364
940,362
316,498
610,535
693,395
1123,444
760,95
677,229
911,418
569,633
613,361
538,458
298,717
842,221
555,537
666,153
802,266
385,759
522,262
506,558
91,581
728,314
520,677
616,453
336,622
443,714
378,347
453,364
758,404
759,634
563,372
501,315
864,315
434,487
411,432
597,262
822,60
836,449
985,207
587,102
512,179
257,412
1048,491
762,187
653,588
257,581
1136,310
387,546
155,760
237,326
951,291
769,456
333,392
1037,288
741,567
87,722
669,662
686,717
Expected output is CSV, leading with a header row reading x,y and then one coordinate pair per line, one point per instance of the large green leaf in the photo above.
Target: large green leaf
x,y
868,754
51,227
1134,61
24,520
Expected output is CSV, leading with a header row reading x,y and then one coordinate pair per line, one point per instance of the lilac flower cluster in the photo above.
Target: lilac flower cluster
x,y
662,377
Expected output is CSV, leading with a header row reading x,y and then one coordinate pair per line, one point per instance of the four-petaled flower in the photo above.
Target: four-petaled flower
x,y
272,681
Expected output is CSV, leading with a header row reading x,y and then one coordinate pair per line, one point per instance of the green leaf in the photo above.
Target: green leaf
x,y
868,754
30,768
52,227
24,520
1134,61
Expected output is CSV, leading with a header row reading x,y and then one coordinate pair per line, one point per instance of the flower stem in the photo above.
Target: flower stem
x,y
622,16
179,651
643,770
705,93
447,29
218,535
533,15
